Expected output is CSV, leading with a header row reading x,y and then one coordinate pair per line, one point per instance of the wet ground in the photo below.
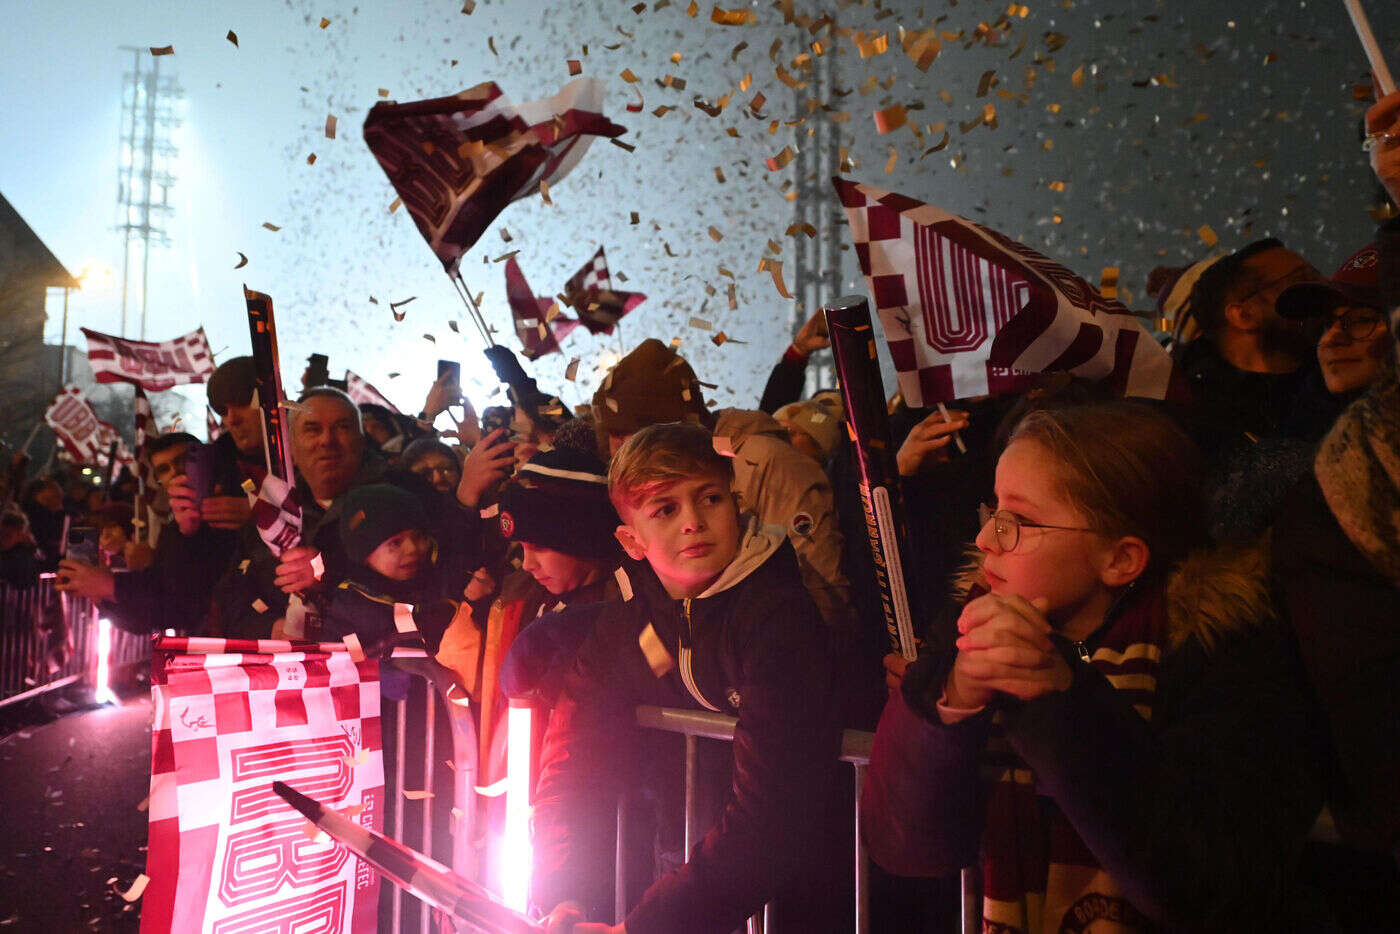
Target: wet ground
x,y
72,817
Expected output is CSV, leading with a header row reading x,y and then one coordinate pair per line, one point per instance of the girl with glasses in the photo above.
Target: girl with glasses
x,y
1119,732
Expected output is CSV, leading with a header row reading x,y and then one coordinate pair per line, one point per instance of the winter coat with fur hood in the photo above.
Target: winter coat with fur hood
x,y
752,646
1198,815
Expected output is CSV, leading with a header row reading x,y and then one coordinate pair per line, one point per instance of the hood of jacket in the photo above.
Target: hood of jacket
x,y
1213,592
740,424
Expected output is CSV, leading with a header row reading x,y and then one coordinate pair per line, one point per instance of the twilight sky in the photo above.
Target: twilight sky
x,y
1117,137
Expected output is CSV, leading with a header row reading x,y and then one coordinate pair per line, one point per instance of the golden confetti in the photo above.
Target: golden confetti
x,y
469,7
138,886
395,205
621,145
571,371
628,76
544,193
635,220
700,324
775,269
779,161
325,22
984,84
232,37
869,48
330,127
892,161
890,119
163,50
575,67
1108,282
732,17
719,175
272,227
803,228
311,159
1208,236
1057,186
715,235
417,795
1077,78
757,103
242,261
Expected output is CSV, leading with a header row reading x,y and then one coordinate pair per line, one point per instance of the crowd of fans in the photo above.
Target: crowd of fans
x,y
1160,651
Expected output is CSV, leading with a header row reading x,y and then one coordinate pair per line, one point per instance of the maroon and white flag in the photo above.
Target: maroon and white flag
x,y
72,418
970,312
225,853
538,333
276,513
212,426
361,390
590,293
458,161
145,431
153,366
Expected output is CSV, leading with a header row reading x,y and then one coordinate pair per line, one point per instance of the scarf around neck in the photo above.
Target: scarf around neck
x,y
1358,468
1038,877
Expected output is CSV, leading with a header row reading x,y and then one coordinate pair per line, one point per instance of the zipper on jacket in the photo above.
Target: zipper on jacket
x,y
687,675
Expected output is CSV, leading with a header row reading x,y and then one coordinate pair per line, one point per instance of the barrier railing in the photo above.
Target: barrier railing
x,y
699,724
49,640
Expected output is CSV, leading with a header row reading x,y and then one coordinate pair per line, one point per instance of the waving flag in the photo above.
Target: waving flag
x,y
146,431
968,311
458,161
84,436
226,854
361,390
152,366
538,334
590,293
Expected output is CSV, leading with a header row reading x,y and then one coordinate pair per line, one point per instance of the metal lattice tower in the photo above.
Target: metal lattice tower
x,y
817,261
144,176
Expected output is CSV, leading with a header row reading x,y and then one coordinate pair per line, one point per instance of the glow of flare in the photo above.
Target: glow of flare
x,y
517,854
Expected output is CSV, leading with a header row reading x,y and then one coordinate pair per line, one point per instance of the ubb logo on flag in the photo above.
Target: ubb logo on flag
x,y
71,417
968,311
154,366
226,855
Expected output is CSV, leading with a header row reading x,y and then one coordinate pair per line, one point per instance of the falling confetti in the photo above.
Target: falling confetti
x,y
232,37
242,261
163,50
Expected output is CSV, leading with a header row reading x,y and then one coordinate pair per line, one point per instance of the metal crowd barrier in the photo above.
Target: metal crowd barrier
x,y
49,640
700,724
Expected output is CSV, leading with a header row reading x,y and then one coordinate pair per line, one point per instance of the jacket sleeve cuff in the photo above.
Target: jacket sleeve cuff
x,y
793,355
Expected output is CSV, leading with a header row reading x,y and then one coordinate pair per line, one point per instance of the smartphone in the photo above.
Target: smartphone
x,y
199,470
81,544
453,367
496,416
317,371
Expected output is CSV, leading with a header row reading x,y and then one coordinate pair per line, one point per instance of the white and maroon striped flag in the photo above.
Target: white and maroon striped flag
x,y
538,334
276,513
212,427
72,418
225,853
458,161
153,366
970,312
590,293
361,390
145,431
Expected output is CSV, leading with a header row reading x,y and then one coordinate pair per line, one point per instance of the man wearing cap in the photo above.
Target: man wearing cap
x,y
654,384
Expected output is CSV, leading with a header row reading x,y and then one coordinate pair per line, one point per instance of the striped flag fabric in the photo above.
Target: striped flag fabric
x,y
277,513
968,311
153,366
590,293
73,419
457,161
538,333
212,426
225,853
362,390
146,512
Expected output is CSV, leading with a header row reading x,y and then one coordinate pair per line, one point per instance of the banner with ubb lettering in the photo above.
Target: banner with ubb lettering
x,y
150,365
226,855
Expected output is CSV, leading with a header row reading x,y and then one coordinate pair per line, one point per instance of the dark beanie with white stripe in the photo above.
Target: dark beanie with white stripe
x,y
559,500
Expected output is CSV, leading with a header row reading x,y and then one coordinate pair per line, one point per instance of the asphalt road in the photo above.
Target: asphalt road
x,y
69,820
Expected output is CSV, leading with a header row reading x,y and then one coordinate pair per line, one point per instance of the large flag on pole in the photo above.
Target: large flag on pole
x,y
539,334
153,366
84,436
458,161
968,311
362,390
225,853
590,293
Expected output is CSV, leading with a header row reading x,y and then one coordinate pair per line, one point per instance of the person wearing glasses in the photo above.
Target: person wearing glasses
x,y
1120,737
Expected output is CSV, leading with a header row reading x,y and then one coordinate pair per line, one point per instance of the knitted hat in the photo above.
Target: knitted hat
x,y
817,420
371,515
559,500
232,384
651,385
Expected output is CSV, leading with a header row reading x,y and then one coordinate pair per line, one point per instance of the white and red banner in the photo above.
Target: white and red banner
x,y
362,390
84,436
968,311
458,161
226,855
153,366
539,334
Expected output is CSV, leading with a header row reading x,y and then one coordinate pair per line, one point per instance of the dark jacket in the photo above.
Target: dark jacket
x,y
1346,617
175,591
753,646
1199,814
786,383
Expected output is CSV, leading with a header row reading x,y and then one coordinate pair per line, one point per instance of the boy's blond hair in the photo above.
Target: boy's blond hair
x,y
660,455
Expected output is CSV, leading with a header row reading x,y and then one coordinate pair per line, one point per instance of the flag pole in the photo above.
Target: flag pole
x,y
1385,84
466,294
